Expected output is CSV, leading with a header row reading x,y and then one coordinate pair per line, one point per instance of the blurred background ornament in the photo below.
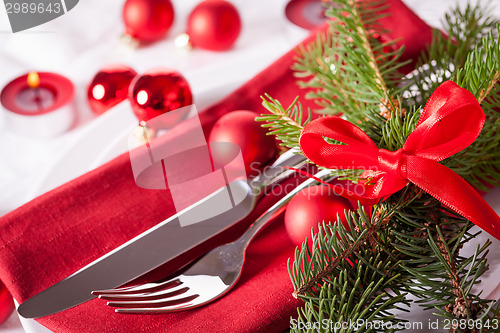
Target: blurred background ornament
x,y
307,14
109,87
240,127
159,91
147,20
213,25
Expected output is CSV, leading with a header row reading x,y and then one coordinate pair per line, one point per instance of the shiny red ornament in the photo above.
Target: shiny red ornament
x,y
240,127
6,303
214,25
310,207
148,20
109,87
159,91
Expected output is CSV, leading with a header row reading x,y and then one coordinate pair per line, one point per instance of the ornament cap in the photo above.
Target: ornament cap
x,y
183,41
129,41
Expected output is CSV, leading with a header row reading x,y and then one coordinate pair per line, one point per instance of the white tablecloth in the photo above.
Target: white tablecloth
x,y
86,38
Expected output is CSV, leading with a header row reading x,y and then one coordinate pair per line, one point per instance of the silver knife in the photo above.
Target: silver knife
x,y
158,245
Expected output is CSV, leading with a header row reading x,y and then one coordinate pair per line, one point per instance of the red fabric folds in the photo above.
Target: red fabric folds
x,y
58,233
450,122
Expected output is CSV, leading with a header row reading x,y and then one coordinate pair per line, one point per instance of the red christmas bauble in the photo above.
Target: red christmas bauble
x,y
214,25
147,20
6,303
109,87
159,91
310,207
240,127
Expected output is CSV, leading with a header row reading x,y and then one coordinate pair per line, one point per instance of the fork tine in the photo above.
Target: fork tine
x,y
145,296
142,288
166,309
159,303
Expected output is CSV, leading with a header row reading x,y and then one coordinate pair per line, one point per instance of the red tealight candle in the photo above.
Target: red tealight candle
x,y
35,98
38,104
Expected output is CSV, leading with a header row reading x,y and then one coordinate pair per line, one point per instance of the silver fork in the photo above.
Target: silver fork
x,y
208,279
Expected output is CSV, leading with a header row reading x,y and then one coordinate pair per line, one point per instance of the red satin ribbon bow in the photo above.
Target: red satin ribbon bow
x,y
450,122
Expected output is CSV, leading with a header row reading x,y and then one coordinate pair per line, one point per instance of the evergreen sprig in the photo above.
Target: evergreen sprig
x,y
411,243
396,130
479,164
343,280
287,123
349,68
463,31
429,239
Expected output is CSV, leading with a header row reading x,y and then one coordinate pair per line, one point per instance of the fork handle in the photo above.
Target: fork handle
x,y
278,208
278,170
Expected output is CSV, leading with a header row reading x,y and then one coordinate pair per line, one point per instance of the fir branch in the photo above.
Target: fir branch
x,y
463,31
369,230
479,163
353,73
363,279
489,88
367,47
431,243
347,301
397,129
481,69
286,124
466,28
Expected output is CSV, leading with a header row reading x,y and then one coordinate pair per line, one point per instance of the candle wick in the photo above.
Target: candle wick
x,y
38,98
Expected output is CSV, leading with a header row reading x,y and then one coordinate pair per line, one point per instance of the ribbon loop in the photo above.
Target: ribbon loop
x,y
357,150
451,121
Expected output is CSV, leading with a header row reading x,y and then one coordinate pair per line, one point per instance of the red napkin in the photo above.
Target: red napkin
x,y
58,233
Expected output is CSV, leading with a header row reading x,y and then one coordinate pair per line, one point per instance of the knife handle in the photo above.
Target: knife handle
x,y
278,170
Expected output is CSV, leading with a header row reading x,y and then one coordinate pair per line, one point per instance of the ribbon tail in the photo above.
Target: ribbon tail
x,y
454,192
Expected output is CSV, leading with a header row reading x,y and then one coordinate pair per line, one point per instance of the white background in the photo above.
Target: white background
x,y
77,44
